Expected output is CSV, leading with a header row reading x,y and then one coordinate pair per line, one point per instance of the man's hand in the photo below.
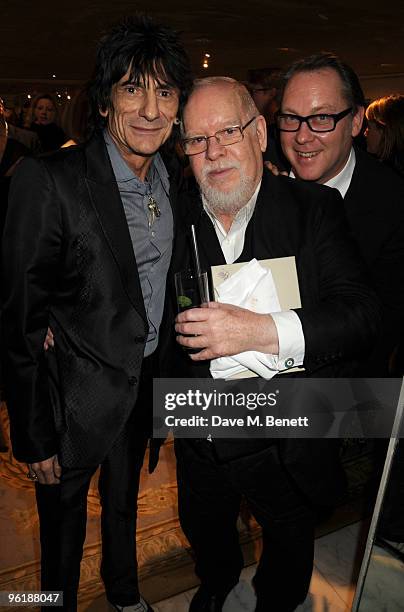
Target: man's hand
x,y
47,471
220,330
274,169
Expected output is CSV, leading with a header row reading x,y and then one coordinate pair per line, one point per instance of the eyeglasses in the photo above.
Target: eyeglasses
x,y
228,136
317,123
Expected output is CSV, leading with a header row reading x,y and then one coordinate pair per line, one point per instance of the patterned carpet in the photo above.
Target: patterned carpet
x,y
165,560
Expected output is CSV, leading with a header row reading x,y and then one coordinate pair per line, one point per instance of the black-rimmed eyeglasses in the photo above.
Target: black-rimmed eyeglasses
x,y
321,122
225,137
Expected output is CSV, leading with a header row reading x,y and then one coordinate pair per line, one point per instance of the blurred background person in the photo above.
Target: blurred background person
x,y
11,112
44,123
385,131
76,119
265,85
11,151
385,140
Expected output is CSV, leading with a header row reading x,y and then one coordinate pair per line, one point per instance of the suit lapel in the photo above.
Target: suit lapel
x,y
264,237
207,241
192,213
105,198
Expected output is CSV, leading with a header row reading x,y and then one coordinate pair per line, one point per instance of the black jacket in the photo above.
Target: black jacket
x,y
339,313
374,205
69,263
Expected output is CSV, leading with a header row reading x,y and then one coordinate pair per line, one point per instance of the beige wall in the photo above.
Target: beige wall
x,y
378,86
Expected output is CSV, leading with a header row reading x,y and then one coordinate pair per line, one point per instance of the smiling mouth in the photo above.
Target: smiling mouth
x,y
307,154
145,129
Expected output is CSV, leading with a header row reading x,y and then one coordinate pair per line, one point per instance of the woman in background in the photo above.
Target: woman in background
x,y
43,122
76,119
385,131
385,140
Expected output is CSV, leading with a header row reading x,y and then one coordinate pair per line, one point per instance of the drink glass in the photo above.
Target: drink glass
x,y
192,290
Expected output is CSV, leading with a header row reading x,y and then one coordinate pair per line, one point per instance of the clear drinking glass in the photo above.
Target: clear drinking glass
x,y
192,290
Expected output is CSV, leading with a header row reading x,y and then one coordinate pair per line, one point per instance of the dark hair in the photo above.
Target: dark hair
x,y
388,114
267,78
351,87
148,50
76,120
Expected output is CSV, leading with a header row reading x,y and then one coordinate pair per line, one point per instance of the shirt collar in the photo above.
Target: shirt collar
x,y
342,180
123,173
242,217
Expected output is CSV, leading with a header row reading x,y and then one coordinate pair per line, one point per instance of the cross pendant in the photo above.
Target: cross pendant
x,y
154,211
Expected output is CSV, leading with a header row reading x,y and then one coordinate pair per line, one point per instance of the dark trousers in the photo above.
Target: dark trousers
x,y
209,495
63,514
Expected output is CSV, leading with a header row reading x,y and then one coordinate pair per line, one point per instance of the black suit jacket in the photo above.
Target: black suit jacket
x,y
69,263
339,313
374,205
375,213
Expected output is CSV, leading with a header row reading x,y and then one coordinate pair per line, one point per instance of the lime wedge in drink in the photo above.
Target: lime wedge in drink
x,y
184,301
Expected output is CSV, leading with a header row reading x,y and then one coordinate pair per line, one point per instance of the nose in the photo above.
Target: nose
x,y
304,134
214,150
150,109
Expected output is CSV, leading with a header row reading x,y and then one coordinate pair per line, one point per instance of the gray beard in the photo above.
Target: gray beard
x,y
227,203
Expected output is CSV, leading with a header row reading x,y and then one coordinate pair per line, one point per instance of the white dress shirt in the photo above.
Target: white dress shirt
x,y
288,325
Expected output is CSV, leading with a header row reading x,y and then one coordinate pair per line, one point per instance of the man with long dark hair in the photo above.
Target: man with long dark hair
x,y
88,240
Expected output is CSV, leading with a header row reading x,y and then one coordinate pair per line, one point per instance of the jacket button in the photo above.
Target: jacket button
x,y
139,339
289,362
132,380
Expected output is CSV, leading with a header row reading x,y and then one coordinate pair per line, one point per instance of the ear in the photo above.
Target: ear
x,y
261,127
357,121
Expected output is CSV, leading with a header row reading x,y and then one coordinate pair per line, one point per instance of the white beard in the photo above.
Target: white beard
x,y
226,202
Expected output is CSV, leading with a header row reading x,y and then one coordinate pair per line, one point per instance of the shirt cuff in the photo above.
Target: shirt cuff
x,y
291,342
